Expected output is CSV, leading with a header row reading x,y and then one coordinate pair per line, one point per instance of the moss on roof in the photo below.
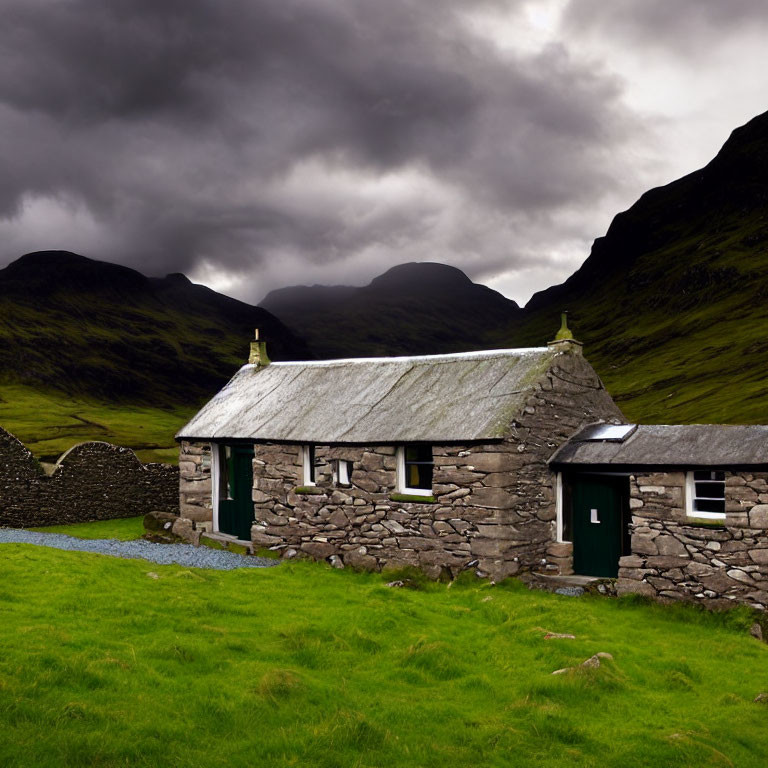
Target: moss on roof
x,y
434,398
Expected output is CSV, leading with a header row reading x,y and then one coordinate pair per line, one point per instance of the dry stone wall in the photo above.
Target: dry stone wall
x,y
675,558
494,502
91,481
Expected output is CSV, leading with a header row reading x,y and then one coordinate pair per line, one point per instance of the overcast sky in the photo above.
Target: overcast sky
x,y
253,144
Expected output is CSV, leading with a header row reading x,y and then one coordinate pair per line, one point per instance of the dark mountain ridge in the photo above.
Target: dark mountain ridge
x,y
89,327
413,308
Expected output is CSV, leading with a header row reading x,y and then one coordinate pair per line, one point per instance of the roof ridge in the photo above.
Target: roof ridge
x,y
447,357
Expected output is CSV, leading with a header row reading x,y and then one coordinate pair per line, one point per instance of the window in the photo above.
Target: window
x,y
415,465
706,493
341,472
308,462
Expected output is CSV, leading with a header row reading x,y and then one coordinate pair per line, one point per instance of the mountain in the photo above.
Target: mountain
x,y
96,350
671,303
414,308
88,327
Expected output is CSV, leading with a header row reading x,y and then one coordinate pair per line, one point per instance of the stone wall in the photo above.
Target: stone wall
x,y
494,502
676,558
91,481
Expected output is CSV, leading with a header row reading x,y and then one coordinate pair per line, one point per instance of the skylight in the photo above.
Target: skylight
x,y
611,432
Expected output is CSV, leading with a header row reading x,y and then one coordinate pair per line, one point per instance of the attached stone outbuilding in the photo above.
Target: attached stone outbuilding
x,y
439,462
678,512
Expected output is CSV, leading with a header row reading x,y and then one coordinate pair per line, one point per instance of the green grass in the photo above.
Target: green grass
x,y
126,529
50,423
110,662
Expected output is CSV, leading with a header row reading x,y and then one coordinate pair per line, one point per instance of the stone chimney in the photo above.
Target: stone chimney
x,y
258,354
564,341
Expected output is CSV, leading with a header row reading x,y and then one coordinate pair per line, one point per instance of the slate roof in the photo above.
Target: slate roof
x,y
664,445
432,398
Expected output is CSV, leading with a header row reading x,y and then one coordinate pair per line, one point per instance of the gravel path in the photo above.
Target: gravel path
x,y
164,554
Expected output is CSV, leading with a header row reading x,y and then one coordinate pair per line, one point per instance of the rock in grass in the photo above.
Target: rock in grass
x,y
761,698
559,636
593,662
157,521
570,591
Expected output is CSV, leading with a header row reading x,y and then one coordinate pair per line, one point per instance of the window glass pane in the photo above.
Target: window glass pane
x,y
709,505
711,490
425,476
708,474
418,453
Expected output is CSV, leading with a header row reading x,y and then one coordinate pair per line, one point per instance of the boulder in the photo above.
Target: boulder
x,y
159,521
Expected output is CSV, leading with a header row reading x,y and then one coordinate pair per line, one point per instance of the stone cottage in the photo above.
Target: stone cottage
x,y
503,461
437,461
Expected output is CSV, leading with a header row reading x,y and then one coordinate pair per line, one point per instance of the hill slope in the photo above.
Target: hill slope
x,y
100,345
415,308
671,303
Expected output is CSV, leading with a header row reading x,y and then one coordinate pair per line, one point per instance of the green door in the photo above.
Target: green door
x,y
236,510
597,526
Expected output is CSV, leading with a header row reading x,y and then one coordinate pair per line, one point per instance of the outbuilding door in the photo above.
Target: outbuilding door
x,y
598,525
236,510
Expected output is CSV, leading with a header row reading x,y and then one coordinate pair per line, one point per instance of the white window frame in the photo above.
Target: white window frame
x,y
308,470
401,486
341,472
559,507
690,495
215,479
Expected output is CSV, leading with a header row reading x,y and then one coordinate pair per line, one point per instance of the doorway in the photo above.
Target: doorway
x,y
600,517
236,490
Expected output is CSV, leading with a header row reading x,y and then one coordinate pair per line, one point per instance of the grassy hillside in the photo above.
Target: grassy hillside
x,y
90,350
304,665
50,422
671,303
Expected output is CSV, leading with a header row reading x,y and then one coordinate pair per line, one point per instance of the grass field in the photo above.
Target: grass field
x,y
50,423
110,662
124,530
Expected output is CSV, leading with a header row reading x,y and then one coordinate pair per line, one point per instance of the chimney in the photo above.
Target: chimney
x,y
258,354
564,341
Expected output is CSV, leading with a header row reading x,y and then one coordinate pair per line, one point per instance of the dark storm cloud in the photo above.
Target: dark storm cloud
x,y
682,27
184,127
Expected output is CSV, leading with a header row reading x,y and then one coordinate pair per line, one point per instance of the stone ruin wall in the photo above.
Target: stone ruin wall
x,y
495,501
91,481
675,559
